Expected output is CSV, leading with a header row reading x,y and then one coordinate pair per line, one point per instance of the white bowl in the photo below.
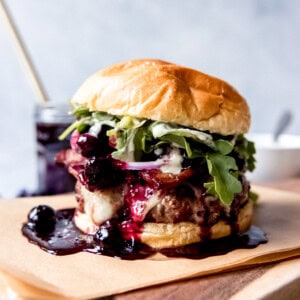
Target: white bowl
x,y
275,160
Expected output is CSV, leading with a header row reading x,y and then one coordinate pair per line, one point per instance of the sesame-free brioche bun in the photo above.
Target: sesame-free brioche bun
x,y
166,92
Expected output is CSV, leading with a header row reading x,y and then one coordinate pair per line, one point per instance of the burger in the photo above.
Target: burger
x,y
159,154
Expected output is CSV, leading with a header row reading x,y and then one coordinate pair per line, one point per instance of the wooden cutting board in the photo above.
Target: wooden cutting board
x,y
273,281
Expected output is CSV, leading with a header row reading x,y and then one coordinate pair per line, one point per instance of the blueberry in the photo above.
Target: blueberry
x,y
100,173
42,219
88,144
103,234
108,235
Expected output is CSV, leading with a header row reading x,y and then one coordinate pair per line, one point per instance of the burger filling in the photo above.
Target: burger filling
x,y
134,170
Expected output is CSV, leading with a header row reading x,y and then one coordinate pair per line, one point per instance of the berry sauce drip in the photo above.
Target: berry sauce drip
x,y
61,237
64,238
136,198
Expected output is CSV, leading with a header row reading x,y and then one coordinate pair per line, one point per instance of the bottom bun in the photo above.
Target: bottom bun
x,y
168,235
162,235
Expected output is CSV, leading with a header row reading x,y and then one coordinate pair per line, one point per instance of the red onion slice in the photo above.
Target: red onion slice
x,y
139,166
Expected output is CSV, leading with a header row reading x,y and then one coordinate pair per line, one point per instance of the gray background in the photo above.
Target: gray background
x,y
252,44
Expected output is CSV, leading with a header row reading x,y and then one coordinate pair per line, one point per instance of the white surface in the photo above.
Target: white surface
x,y
275,160
253,44
266,141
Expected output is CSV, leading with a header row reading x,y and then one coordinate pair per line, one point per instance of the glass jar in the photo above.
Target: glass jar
x,y
50,121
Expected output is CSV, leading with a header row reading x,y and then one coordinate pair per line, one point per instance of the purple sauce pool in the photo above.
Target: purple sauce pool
x,y
67,239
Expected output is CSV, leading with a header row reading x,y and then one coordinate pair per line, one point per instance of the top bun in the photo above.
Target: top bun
x,y
162,91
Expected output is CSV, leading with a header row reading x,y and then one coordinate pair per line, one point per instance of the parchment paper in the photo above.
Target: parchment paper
x,y
85,275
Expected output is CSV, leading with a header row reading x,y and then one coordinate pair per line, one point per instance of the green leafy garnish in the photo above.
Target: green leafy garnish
x,y
162,129
225,184
81,112
179,141
129,144
86,119
253,197
246,149
136,137
224,147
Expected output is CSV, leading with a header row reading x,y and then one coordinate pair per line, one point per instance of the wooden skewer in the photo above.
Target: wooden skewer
x,y
23,55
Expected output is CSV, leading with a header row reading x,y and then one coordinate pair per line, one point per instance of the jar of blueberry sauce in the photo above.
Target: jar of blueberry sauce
x,y
51,121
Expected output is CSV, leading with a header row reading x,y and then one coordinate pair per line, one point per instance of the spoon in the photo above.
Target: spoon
x,y
283,123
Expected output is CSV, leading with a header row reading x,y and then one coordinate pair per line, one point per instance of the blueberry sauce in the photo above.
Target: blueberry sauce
x,y
52,178
122,240
67,239
248,240
136,198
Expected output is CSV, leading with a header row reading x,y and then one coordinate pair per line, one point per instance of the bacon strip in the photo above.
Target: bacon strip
x,y
166,180
69,157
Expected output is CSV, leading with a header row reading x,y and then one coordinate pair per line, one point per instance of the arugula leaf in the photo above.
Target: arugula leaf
x,y
253,197
78,124
68,131
160,130
86,119
250,157
139,143
210,188
124,145
101,116
225,184
179,141
81,112
246,149
224,147
129,142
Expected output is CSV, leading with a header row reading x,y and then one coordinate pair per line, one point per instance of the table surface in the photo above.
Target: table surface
x,y
219,286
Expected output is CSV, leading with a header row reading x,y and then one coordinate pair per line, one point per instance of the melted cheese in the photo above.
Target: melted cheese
x,y
173,162
102,205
